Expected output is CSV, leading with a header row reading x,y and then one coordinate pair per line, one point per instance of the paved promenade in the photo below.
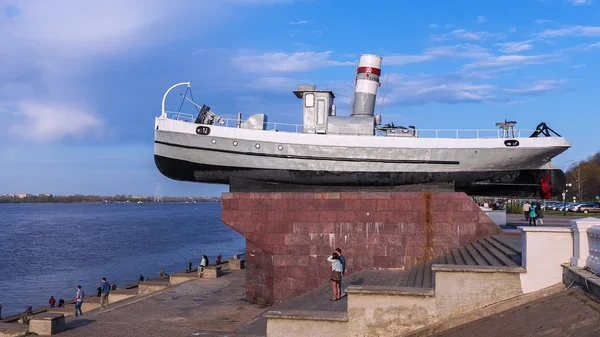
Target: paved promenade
x,y
198,305
515,220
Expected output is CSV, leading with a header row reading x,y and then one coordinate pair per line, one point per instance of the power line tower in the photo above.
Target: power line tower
x,y
157,196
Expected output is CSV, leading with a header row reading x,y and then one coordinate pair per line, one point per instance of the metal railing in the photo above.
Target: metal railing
x,y
421,133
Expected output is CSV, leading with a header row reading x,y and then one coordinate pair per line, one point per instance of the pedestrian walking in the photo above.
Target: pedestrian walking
x,y
79,301
336,275
203,264
105,292
526,209
343,262
538,214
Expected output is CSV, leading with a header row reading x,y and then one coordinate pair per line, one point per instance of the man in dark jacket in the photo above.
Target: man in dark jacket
x,y
343,261
105,292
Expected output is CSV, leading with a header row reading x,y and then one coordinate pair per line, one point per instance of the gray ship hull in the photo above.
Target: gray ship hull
x,y
521,183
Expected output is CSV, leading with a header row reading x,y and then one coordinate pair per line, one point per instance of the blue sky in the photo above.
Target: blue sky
x,y
81,81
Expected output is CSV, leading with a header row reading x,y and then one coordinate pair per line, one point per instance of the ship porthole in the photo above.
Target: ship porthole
x,y
257,146
214,141
280,147
235,143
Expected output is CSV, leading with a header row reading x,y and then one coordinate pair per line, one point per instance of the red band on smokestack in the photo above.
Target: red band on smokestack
x,y
374,71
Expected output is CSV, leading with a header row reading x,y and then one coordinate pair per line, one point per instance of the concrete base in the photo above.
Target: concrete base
x,y
47,323
183,277
307,323
153,286
237,264
289,235
12,330
212,272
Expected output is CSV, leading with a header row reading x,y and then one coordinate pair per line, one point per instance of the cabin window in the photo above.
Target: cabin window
x,y
310,100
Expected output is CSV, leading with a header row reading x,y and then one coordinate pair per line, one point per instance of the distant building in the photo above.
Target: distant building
x,y
21,195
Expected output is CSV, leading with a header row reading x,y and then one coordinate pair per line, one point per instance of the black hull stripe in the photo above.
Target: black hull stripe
x,y
367,160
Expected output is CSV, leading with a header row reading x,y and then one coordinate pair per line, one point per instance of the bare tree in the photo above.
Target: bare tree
x,y
579,179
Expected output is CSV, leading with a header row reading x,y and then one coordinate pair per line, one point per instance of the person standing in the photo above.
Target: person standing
x,y
343,262
532,215
0,311
526,210
79,301
538,213
105,292
52,301
190,266
113,286
99,290
203,264
336,275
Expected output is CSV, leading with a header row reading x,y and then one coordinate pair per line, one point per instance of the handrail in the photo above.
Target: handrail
x,y
162,111
421,133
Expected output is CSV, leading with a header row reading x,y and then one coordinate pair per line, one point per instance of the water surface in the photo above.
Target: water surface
x,y
48,249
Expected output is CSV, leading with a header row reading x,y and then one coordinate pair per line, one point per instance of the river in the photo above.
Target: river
x,y
48,249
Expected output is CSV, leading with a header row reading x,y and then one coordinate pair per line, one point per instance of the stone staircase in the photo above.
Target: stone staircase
x,y
396,302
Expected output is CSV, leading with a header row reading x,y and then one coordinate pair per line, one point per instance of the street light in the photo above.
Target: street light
x,y
565,198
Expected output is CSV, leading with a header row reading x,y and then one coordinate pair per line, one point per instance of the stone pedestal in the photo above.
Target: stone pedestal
x,y
47,323
212,272
237,264
289,235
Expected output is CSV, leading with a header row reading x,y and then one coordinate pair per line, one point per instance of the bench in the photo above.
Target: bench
x,y
212,272
47,323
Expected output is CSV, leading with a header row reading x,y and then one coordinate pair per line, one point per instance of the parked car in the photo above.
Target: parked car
x,y
590,208
575,207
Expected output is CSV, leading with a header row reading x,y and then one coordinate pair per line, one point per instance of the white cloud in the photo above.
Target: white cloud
x,y
581,2
433,25
47,47
43,122
409,90
273,83
298,22
511,60
577,66
286,62
512,30
514,47
571,31
540,22
539,87
481,19
593,45
463,34
467,51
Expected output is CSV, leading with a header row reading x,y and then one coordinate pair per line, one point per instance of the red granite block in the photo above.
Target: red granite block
x,y
350,195
386,204
368,205
298,195
297,239
315,227
375,195
332,195
300,228
289,260
226,195
304,216
327,216
352,204
229,204
442,229
272,238
465,217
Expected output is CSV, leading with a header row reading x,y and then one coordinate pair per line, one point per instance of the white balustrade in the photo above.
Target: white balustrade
x,y
593,260
581,248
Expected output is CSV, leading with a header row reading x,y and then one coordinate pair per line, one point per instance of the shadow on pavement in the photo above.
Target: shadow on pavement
x,y
76,323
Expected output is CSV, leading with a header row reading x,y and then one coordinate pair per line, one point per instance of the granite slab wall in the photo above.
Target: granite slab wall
x,y
289,235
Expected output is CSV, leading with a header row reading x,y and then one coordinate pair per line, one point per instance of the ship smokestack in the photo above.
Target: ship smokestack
x,y
367,82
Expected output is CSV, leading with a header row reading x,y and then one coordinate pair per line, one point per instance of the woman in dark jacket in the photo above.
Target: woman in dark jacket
x,y
538,214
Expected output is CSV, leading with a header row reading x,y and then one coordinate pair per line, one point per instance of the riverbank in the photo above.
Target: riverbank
x,y
199,305
49,249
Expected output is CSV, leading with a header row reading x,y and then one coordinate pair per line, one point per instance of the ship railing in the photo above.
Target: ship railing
x,y
421,133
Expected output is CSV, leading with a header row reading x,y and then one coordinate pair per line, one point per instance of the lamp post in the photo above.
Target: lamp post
x,y
564,195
